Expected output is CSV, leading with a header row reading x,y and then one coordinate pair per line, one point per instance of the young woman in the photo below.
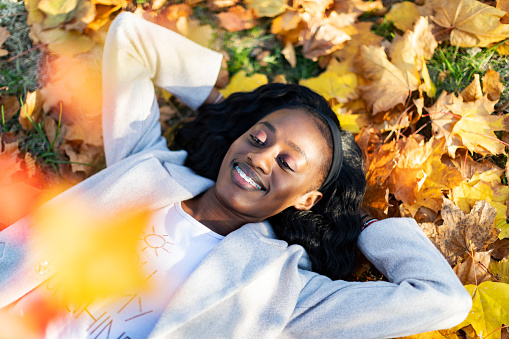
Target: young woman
x,y
276,153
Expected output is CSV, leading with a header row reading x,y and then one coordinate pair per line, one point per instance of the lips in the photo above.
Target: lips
x,y
249,175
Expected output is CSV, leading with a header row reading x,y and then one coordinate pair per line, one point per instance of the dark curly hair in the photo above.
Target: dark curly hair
x,y
329,231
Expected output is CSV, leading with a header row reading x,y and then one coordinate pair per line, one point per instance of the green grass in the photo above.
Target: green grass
x,y
385,29
19,75
243,47
453,68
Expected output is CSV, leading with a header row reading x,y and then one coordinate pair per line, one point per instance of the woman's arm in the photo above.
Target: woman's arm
x,y
138,55
423,294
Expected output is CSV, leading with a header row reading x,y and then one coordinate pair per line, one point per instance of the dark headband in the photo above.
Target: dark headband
x,y
337,153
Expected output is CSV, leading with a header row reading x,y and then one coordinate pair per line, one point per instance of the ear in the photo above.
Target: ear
x,y
308,200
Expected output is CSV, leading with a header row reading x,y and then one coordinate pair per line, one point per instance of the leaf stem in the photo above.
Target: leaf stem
x,y
489,137
15,14
28,51
505,326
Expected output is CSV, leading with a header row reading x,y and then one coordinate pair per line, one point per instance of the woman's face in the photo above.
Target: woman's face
x,y
276,164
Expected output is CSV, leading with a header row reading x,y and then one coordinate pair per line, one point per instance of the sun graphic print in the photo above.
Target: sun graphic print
x,y
156,241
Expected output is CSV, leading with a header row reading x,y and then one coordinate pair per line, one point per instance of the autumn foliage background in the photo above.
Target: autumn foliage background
x,y
421,85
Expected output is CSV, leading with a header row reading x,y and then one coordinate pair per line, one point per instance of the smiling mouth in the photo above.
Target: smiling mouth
x,y
247,178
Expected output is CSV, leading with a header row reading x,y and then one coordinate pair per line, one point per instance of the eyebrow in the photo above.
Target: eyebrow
x,y
290,143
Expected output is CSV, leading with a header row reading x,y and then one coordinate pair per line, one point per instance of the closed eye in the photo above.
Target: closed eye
x,y
283,163
256,140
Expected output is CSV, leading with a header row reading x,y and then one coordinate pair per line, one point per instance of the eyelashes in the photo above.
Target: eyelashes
x,y
257,142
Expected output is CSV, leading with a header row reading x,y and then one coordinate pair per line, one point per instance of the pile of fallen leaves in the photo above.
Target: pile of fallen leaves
x,y
428,157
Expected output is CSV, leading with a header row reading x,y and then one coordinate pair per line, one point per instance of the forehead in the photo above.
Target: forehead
x,y
298,127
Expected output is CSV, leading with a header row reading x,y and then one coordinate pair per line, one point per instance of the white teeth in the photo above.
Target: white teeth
x,y
247,178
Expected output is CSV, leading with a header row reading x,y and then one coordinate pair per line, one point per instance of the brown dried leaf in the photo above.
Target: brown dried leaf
x,y
4,35
473,270
237,19
468,124
358,7
473,23
10,106
500,249
492,86
31,165
462,233
389,86
473,91
315,8
381,164
289,53
82,156
361,35
466,165
429,229
326,35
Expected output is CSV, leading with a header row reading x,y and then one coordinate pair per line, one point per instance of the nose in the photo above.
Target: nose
x,y
262,158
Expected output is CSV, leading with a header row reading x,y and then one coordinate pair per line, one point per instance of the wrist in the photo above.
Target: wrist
x,y
367,220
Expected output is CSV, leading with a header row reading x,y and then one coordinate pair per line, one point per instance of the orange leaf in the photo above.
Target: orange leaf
x,y
236,19
18,196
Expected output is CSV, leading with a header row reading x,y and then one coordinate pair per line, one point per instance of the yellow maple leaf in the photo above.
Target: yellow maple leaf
x,y
34,14
490,309
269,8
346,120
428,86
403,15
492,86
389,86
333,86
62,42
286,22
240,82
473,23
473,91
476,126
500,269
408,53
55,7
484,186
358,6
360,35
468,124
31,108
314,8
420,176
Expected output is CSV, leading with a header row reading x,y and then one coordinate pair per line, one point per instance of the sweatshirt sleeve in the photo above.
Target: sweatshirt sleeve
x,y
423,293
138,55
